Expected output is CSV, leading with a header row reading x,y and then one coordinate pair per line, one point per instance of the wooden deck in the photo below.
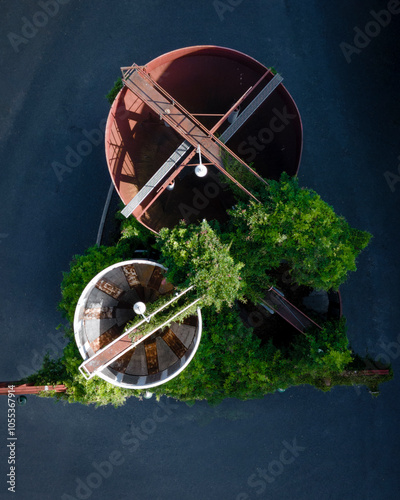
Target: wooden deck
x,y
174,343
185,124
277,302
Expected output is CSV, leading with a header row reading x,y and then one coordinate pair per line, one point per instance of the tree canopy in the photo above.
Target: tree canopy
x,y
294,225
195,255
226,265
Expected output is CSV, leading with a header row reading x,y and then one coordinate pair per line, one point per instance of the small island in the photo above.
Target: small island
x,y
221,275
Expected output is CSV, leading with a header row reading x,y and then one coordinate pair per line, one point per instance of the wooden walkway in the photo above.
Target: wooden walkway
x,y
123,344
251,108
119,349
29,388
173,114
277,302
191,130
157,178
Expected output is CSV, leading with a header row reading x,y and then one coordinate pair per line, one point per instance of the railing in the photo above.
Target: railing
x,y
185,112
249,110
151,184
87,374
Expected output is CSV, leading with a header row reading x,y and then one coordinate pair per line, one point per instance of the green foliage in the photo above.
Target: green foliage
x,y
65,371
131,229
246,178
52,372
294,225
325,349
177,311
227,355
372,382
231,362
94,391
85,267
114,91
82,269
195,255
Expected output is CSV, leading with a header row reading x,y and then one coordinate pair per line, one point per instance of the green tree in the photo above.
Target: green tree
x,y
291,225
85,267
114,91
294,225
195,255
79,390
133,231
82,269
325,350
94,391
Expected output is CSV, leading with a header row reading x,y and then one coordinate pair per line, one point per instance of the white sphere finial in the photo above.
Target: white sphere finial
x,y
139,308
200,170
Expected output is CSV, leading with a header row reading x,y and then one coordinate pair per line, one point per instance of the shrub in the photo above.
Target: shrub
x,y
82,269
195,255
294,225
291,225
114,91
324,350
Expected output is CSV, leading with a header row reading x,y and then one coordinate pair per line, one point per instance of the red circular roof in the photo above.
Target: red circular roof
x,y
203,79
